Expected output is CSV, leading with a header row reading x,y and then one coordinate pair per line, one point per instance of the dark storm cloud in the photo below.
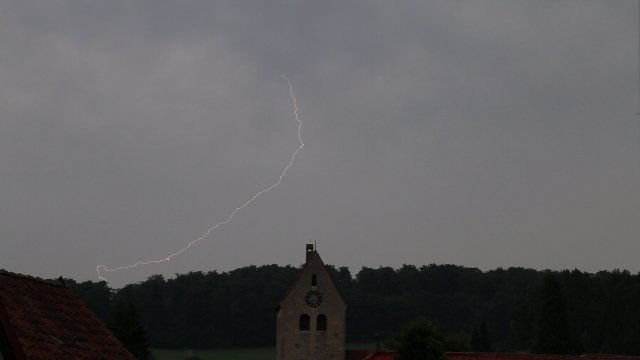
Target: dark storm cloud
x,y
482,133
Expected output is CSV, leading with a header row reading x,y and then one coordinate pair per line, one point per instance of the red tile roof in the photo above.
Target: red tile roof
x,y
388,355
43,320
380,355
495,356
351,354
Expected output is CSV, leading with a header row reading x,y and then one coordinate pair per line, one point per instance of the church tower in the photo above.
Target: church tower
x,y
311,317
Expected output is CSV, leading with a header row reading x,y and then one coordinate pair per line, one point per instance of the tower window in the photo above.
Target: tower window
x,y
314,280
304,322
321,323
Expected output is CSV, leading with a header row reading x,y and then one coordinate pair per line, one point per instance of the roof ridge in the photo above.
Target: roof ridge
x,y
33,278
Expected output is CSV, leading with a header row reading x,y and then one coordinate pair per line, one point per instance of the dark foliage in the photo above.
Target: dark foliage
x,y
551,327
96,295
126,327
237,308
480,338
420,339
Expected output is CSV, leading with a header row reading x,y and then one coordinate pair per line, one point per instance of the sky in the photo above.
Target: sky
x,y
479,133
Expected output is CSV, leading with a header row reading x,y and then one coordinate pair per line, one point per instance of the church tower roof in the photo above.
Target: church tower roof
x,y
311,316
313,264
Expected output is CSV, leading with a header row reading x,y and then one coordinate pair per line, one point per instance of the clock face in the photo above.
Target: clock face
x,y
313,298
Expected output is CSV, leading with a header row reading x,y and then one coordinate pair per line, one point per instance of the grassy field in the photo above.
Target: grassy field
x,y
218,354
230,354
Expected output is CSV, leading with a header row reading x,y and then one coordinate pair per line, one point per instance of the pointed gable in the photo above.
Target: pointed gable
x,y
314,266
311,316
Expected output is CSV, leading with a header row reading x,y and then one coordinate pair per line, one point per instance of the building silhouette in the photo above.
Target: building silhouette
x,y
311,317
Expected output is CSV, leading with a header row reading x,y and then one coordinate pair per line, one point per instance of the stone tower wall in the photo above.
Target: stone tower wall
x,y
312,344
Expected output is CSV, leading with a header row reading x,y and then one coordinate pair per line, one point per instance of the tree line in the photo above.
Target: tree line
x,y
513,308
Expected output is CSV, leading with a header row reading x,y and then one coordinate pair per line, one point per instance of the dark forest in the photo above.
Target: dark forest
x,y
237,308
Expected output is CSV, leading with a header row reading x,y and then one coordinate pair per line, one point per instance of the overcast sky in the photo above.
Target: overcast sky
x,y
480,133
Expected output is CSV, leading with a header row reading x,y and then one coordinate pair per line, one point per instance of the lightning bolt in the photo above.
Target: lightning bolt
x,y
104,268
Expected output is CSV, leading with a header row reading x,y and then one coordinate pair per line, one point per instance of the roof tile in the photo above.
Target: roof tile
x,y
48,322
